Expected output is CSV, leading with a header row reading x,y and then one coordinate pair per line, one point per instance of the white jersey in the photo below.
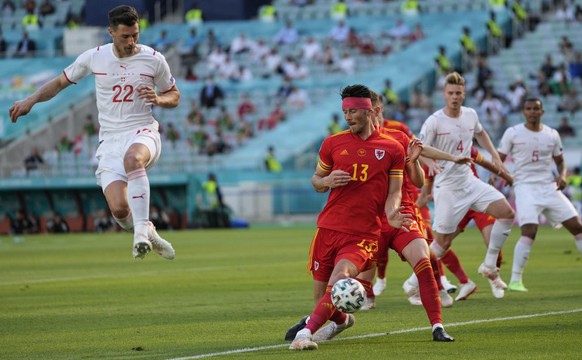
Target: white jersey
x,y
453,136
116,84
532,153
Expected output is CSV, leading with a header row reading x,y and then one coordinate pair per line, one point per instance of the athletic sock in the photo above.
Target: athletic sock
x,y
138,197
429,293
520,256
579,241
323,311
452,262
499,233
434,263
368,287
126,223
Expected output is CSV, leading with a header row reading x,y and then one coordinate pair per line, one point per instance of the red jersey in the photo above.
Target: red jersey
x,y
356,208
409,191
397,125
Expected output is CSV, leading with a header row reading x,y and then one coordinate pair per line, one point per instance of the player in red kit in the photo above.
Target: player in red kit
x,y
353,165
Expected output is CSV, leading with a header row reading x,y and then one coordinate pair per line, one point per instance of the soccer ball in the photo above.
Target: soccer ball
x,y
348,295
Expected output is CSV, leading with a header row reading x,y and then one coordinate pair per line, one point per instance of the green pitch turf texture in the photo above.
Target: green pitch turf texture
x,y
81,296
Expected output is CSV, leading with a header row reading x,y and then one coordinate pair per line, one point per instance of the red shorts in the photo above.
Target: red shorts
x,y
398,239
330,246
482,220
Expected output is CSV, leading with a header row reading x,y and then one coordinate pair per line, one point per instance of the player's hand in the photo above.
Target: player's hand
x,y
148,95
414,149
337,178
398,220
561,182
499,165
433,168
19,108
463,160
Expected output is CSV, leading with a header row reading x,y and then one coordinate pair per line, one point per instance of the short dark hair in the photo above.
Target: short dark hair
x,y
534,99
357,90
123,14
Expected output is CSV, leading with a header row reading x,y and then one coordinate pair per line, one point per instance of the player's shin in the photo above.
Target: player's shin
x,y
499,233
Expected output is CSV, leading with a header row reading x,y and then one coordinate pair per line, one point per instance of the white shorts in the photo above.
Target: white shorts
x,y
452,205
112,150
531,200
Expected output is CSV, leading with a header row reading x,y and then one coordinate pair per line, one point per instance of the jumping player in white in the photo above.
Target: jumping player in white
x,y
456,189
126,78
533,146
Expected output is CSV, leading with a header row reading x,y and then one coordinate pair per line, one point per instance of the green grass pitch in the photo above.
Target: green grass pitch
x,y
81,296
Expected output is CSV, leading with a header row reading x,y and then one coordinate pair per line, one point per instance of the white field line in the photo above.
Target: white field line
x,y
463,323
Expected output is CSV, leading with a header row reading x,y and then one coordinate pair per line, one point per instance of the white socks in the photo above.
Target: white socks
x,y
579,242
138,197
520,256
499,233
126,223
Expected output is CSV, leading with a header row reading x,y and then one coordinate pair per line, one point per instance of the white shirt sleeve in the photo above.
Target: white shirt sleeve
x,y
80,68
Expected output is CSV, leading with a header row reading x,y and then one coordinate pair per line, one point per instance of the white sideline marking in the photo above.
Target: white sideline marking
x,y
259,348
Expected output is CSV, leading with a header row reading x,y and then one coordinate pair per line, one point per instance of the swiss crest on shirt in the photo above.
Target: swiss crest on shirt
x,y
379,153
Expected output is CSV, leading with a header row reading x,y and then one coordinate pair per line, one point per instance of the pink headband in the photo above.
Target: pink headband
x,y
356,103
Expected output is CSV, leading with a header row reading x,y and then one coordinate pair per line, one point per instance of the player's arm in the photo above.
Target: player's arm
x,y
322,181
434,153
44,93
413,167
562,171
168,99
494,169
425,195
485,141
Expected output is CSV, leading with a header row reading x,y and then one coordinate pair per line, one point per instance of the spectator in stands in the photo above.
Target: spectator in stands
x,y
64,144
163,43
23,223
244,132
268,12
390,95
565,130
272,165
172,134
334,127
297,99
561,81
418,100
26,47
410,8
417,33
224,119
570,101
548,67
287,35
215,59
260,51
190,75
339,33
469,49
30,21
276,116
194,16
211,94
245,107
144,21
3,46
566,48
565,12
574,68
293,69
218,145
519,17
159,218
442,62
311,49
271,62
484,76
497,5
328,57
195,116
578,13
346,65
241,44
46,8
189,48
212,41
339,10
400,31
34,161
103,221
543,85
493,103
89,127
57,225
228,69
7,8
515,96
284,90
496,36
